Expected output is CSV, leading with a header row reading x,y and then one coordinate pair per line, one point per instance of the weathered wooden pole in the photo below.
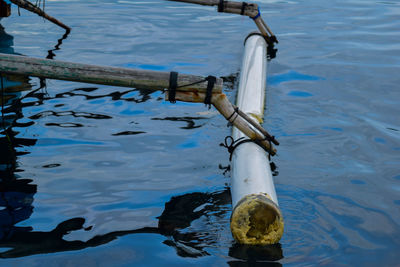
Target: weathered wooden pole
x,y
241,8
37,10
133,78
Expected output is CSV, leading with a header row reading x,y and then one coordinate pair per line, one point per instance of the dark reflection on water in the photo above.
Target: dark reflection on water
x,y
191,124
179,213
86,115
16,194
263,253
51,53
128,133
116,95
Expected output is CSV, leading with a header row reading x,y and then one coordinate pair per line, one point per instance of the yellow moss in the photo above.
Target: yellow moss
x,y
256,220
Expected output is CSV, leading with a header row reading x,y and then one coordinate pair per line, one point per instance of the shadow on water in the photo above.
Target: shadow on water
x,y
17,194
189,120
255,255
144,94
179,213
50,52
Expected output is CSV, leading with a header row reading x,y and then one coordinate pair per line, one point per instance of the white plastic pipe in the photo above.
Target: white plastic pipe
x,y
256,218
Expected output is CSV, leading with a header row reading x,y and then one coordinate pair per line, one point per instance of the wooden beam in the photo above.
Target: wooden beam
x,y
125,77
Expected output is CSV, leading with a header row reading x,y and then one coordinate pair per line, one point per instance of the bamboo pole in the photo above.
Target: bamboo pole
x,y
37,10
222,104
256,125
256,218
241,8
133,78
250,9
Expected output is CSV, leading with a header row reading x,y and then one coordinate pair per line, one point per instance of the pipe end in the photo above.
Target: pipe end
x,y
257,220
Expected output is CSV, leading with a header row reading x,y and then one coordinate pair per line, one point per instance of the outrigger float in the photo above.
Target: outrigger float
x,y
256,218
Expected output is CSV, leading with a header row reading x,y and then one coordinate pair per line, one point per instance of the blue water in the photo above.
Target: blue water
x,y
107,176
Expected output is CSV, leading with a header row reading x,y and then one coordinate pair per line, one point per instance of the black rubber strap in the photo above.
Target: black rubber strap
x,y
221,6
173,83
210,86
231,145
244,4
235,111
252,34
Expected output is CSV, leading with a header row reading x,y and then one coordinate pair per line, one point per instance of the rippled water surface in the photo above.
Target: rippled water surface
x,y
105,176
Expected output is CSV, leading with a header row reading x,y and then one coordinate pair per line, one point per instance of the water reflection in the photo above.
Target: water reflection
x,y
256,253
144,95
178,215
51,53
16,194
189,120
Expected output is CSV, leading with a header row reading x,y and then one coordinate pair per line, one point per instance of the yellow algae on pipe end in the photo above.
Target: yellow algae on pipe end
x,y
257,220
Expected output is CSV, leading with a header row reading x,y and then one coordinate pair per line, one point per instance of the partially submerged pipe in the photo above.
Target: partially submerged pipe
x,y
256,218
78,72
